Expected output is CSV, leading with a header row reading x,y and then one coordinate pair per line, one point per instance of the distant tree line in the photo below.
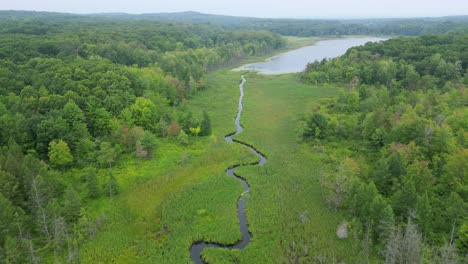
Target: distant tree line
x,y
313,27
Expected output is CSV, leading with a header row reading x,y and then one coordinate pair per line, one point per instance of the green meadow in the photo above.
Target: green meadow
x,y
112,138
184,195
285,209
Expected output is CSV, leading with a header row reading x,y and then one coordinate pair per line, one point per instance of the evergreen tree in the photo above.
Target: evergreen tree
x,y
92,184
382,218
205,125
404,200
7,219
423,213
111,187
13,250
9,186
106,155
149,142
183,138
396,165
71,205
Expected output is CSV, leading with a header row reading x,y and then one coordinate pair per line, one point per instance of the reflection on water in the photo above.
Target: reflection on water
x,y
297,60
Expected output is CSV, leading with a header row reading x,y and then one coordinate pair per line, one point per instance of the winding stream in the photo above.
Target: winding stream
x,y
197,248
292,61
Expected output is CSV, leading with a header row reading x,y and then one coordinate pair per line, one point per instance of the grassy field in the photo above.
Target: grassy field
x,y
178,202
184,195
285,210
180,196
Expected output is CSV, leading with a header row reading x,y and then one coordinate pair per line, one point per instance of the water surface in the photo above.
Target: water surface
x,y
297,60
197,247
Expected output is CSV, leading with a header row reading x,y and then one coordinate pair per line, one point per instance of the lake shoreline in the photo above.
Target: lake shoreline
x,y
295,61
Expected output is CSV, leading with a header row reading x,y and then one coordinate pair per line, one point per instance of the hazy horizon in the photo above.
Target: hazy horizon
x,y
262,8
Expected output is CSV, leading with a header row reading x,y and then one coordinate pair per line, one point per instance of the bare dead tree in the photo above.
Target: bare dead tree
x,y
404,246
39,202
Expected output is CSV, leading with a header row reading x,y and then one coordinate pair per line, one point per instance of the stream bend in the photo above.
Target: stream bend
x,y
197,247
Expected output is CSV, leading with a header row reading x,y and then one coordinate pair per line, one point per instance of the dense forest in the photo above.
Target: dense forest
x,y
83,98
398,27
315,27
395,141
76,93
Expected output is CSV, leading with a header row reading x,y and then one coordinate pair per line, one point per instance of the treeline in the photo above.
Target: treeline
x,y
308,28
314,27
76,95
396,139
195,47
429,61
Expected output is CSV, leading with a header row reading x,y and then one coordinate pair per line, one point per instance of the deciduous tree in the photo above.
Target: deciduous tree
x,y
59,153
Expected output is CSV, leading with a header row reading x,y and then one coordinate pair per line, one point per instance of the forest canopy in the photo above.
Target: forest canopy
x,y
78,93
397,140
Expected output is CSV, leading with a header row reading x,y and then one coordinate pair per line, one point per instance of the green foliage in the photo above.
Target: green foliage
x,y
463,237
71,205
144,113
111,186
79,92
348,102
337,185
195,130
103,85
72,113
149,142
107,154
397,63
205,125
59,153
92,184
316,27
14,252
316,127
183,138
381,218
10,185
406,92
8,219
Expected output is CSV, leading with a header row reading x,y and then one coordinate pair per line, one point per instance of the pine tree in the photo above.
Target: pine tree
x,y
107,154
13,251
111,186
7,218
71,205
9,186
183,138
92,184
404,200
423,213
149,142
205,125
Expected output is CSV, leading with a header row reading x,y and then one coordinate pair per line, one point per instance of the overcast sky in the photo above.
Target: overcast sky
x,y
255,8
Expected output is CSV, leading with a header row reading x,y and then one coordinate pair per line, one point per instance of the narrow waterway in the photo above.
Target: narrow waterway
x,y
197,248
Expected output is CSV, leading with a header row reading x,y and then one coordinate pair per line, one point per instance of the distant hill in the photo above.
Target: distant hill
x,y
291,27
188,16
312,27
192,16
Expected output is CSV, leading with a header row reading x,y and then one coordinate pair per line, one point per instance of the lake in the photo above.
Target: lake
x,y
297,60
